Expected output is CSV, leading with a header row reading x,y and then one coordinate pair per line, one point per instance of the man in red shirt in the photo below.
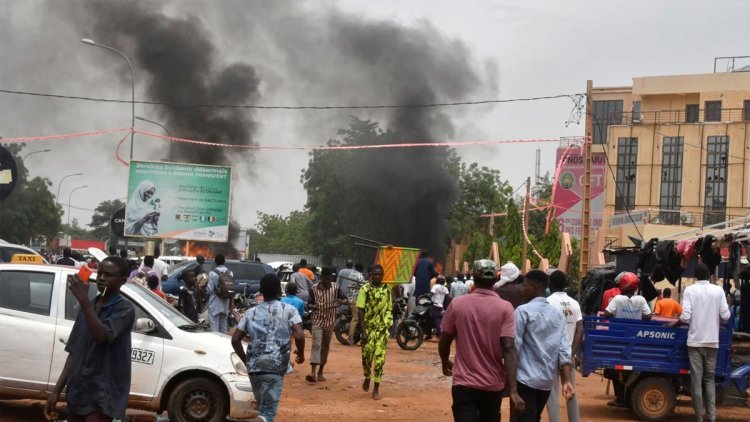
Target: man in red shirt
x,y
483,325
611,293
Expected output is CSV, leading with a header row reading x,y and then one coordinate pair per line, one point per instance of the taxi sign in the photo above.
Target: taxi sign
x,y
26,259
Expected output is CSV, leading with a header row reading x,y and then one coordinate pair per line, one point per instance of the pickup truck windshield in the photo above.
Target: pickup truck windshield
x,y
166,310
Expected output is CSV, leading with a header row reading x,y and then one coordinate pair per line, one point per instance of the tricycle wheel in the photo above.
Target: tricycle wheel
x,y
653,399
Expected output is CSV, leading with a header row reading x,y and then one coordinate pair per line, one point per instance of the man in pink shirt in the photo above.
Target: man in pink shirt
x,y
485,362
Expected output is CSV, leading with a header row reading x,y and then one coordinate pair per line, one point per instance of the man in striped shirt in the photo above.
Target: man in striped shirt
x,y
325,297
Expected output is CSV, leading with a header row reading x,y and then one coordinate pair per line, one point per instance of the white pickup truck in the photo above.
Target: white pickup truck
x,y
177,366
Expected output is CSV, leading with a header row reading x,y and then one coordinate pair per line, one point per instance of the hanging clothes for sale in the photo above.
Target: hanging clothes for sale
x,y
597,280
647,258
709,256
648,290
667,262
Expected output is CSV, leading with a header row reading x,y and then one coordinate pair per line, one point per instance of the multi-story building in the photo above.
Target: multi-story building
x,y
677,149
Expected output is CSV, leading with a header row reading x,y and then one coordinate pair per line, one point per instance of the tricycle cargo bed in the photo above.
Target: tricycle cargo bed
x,y
644,346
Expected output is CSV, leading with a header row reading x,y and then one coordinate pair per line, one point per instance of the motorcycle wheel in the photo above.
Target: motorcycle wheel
x,y
409,335
341,329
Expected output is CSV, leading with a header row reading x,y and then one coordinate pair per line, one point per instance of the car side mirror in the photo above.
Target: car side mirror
x,y
144,326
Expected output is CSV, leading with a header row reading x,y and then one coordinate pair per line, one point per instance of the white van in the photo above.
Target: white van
x,y
177,366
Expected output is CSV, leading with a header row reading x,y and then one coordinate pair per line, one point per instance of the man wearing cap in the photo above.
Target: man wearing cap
x,y
485,363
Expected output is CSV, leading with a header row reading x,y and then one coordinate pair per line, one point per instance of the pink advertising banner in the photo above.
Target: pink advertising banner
x,y
568,194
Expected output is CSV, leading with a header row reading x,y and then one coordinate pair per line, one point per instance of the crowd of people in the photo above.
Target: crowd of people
x,y
514,335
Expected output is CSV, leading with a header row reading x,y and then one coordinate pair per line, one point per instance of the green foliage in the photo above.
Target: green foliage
x,y
277,234
30,210
102,217
481,191
77,232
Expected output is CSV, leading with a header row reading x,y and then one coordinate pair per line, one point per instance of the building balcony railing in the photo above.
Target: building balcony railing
x,y
681,218
726,115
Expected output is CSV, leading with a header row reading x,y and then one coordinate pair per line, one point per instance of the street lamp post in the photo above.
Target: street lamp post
x,y
71,197
132,87
171,142
34,152
57,198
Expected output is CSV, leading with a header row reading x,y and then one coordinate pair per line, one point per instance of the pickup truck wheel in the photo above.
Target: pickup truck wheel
x,y
197,400
653,399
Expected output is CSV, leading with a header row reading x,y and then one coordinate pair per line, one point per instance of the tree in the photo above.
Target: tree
x,y
276,234
30,210
102,217
400,196
481,191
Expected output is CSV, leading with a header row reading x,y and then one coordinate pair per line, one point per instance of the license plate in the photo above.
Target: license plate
x,y
142,356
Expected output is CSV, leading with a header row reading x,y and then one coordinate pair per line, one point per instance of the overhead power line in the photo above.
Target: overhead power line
x,y
574,97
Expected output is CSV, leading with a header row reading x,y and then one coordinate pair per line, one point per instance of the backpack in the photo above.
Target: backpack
x,y
225,286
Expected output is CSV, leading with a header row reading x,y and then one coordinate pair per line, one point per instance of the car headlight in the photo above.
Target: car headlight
x,y
238,364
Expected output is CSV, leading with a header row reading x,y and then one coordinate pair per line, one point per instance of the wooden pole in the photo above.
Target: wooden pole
x,y
525,249
586,203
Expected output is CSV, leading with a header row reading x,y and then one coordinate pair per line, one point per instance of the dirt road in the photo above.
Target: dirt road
x,y
413,389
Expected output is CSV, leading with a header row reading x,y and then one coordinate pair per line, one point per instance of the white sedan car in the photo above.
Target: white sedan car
x,y
177,366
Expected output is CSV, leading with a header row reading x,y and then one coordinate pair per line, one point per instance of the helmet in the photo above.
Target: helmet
x,y
485,269
628,282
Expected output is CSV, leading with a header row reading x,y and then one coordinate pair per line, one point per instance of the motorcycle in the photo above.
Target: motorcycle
x,y
411,331
240,304
341,327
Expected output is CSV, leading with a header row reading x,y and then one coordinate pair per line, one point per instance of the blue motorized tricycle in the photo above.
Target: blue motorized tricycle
x,y
650,359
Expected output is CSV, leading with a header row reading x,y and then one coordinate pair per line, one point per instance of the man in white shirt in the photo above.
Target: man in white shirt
x,y
574,323
626,305
704,307
439,292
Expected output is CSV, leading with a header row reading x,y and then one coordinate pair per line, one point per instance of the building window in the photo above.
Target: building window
x,y
691,113
713,111
605,113
636,113
627,157
717,151
671,180
746,113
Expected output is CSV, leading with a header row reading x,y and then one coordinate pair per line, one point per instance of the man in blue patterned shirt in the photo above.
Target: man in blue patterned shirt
x,y
543,348
270,325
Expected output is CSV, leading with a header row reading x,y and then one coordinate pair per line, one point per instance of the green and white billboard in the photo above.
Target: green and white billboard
x,y
182,201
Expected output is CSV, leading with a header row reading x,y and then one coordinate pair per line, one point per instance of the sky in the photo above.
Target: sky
x,y
519,49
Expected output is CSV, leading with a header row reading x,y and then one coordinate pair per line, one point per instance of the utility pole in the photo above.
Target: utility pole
x,y
583,265
525,249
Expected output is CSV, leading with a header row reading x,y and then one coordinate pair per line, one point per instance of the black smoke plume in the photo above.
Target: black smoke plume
x,y
182,65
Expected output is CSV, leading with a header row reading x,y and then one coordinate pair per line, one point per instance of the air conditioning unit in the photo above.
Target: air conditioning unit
x,y
686,217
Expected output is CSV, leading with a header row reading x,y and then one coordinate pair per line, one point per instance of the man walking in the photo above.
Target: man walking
x,y
218,307
423,273
458,287
375,308
543,349
350,281
324,299
571,311
269,326
96,375
704,307
486,359
67,258
302,282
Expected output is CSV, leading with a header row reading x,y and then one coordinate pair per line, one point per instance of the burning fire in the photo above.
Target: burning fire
x,y
197,248
209,250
